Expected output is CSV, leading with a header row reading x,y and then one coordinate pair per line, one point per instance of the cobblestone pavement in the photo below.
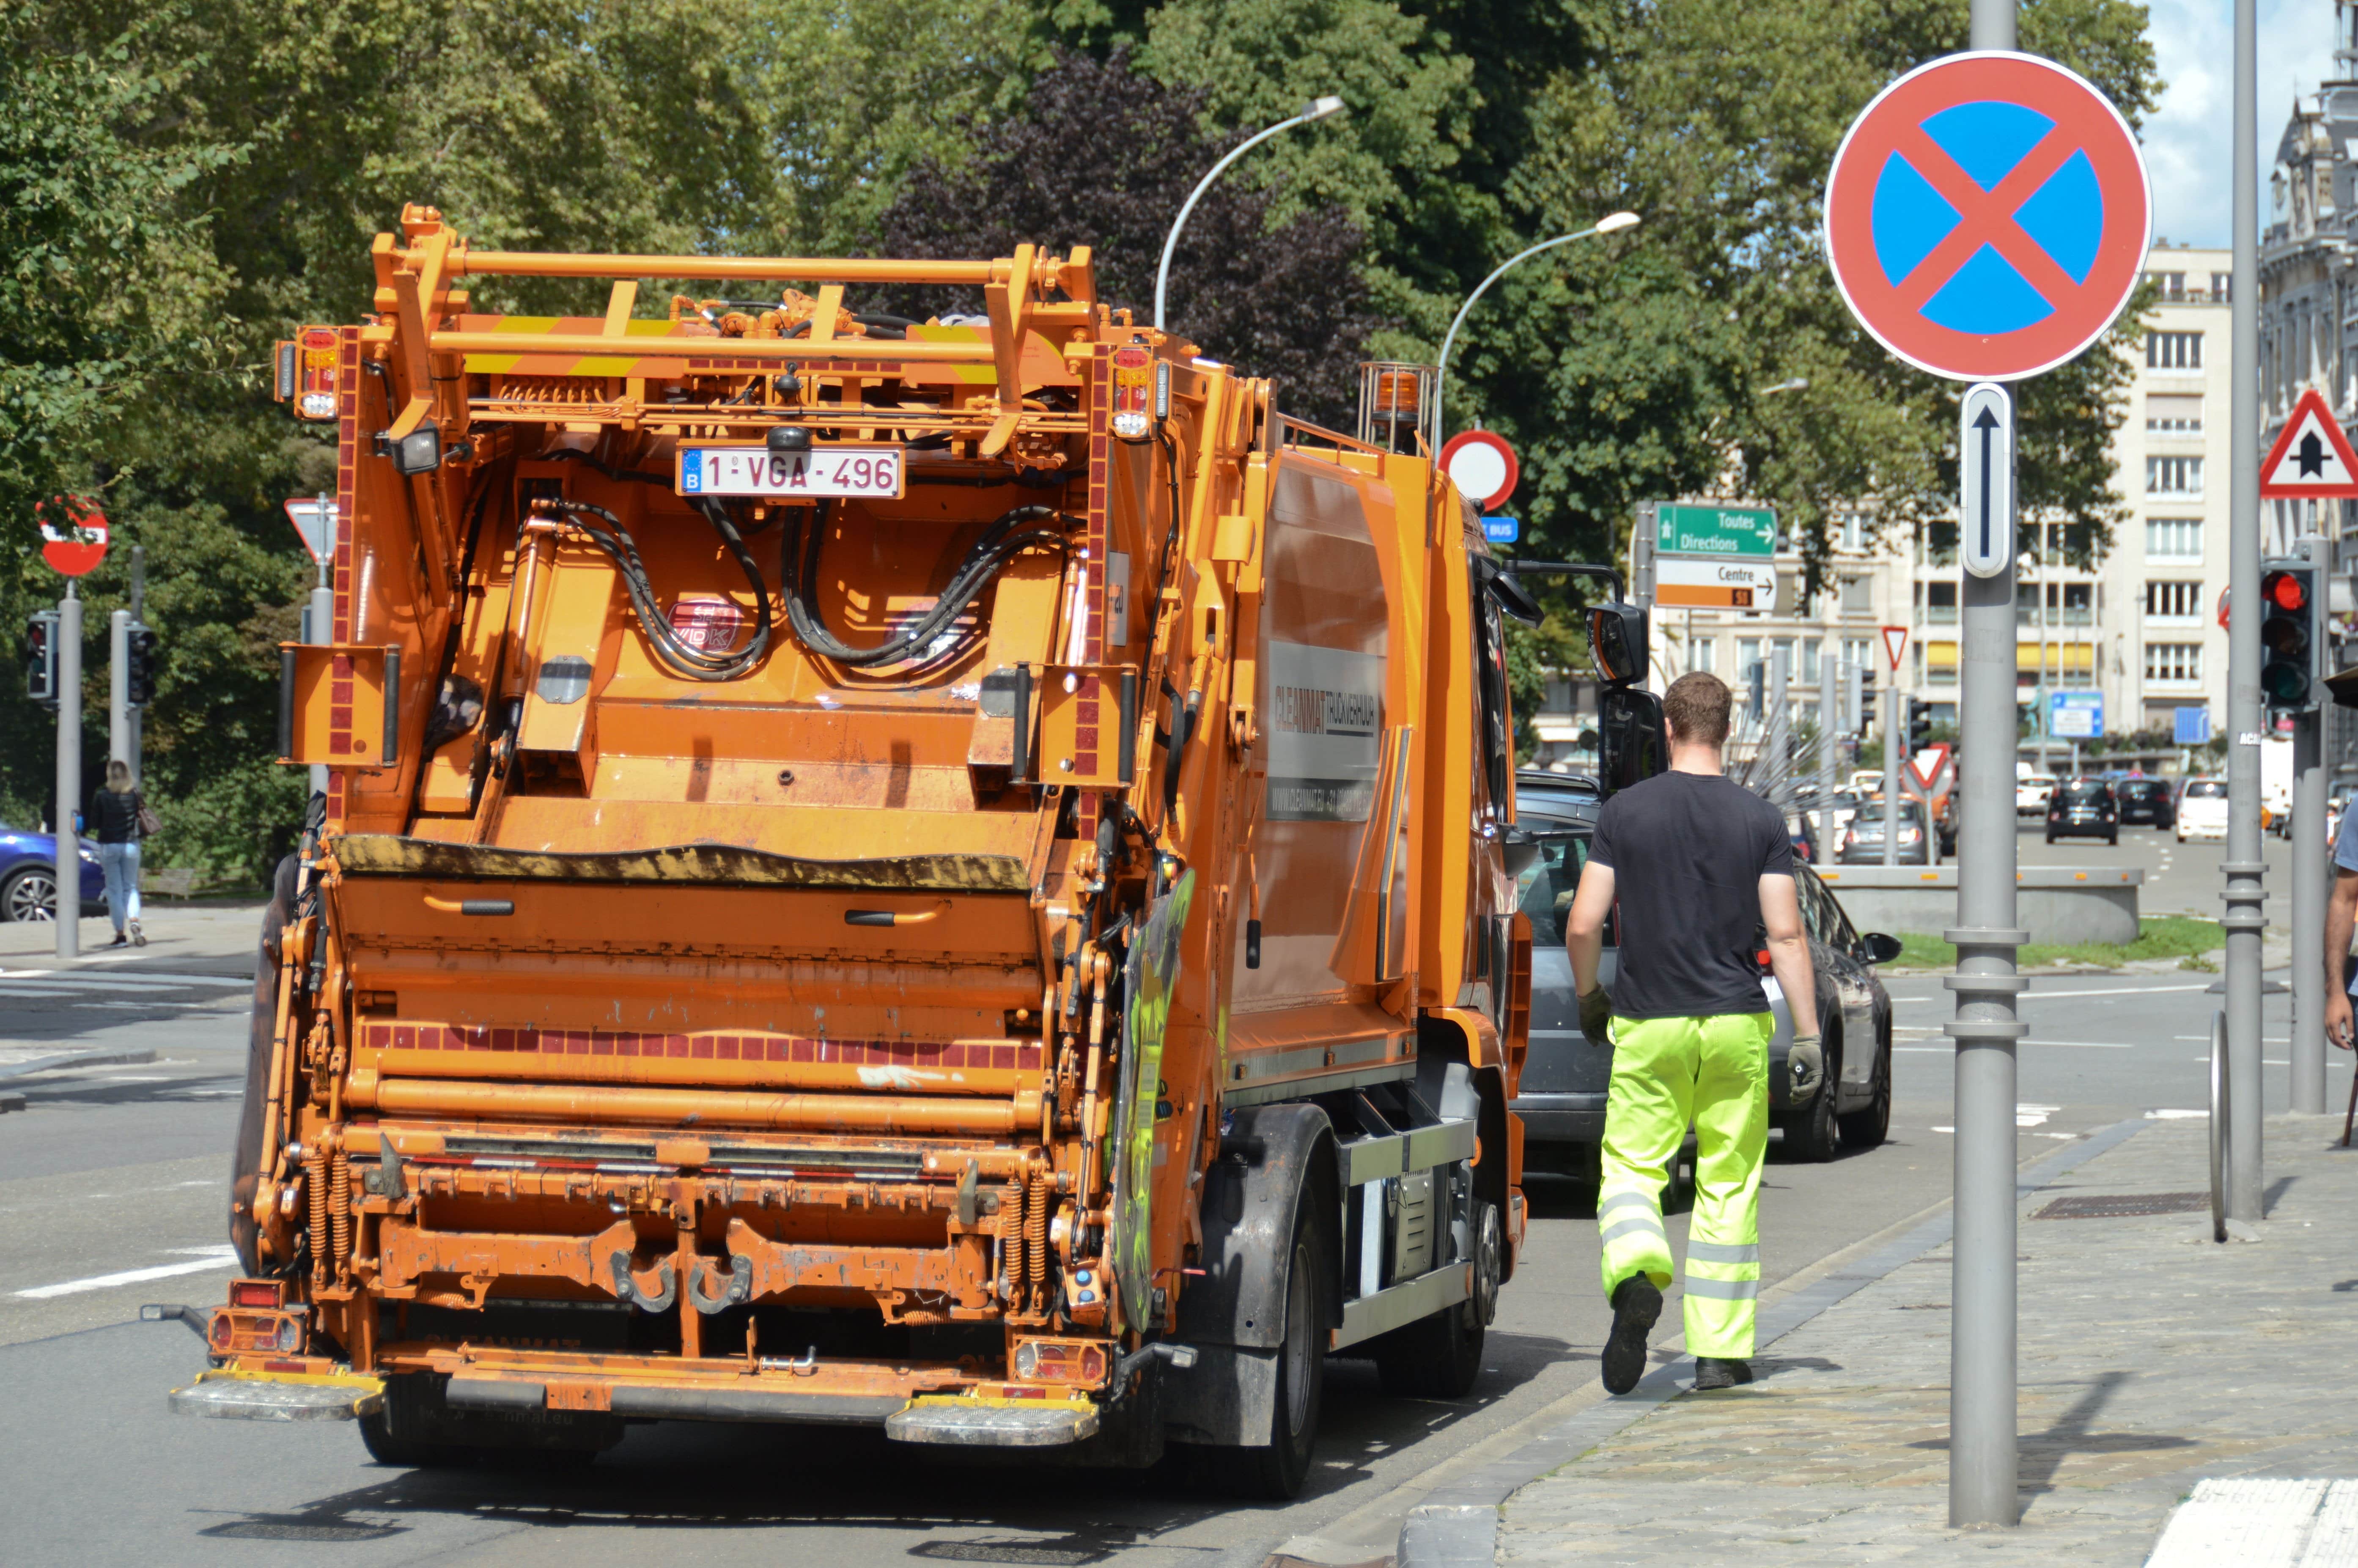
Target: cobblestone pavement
x,y
2150,1357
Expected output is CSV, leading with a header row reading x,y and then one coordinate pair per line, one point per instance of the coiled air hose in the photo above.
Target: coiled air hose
x,y
672,649
993,549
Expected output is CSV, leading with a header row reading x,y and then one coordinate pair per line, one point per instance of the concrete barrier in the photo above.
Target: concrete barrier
x,y
2058,904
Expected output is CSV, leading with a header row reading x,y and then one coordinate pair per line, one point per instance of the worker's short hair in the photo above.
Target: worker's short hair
x,y
1696,706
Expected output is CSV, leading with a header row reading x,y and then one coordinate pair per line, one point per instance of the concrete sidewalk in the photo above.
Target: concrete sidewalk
x,y
2151,1359
211,938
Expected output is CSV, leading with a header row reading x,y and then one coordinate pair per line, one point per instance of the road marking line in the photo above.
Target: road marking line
x,y
2123,990
214,1258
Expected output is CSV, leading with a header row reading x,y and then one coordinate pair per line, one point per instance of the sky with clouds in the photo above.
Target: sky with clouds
x,y
2187,137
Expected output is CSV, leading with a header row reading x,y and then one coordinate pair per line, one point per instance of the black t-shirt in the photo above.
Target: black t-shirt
x,y
1688,851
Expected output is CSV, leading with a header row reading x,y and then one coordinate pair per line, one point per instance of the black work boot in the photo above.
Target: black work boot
x,y
1720,1372
1636,1302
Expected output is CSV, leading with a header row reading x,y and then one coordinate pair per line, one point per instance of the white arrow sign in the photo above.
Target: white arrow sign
x,y
1985,470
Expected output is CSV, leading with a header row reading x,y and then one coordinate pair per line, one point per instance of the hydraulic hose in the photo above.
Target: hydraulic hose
x,y
670,648
999,544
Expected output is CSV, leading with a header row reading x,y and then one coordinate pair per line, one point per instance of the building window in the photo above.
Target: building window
x,y
1941,603
2173,350
1699,654
1853,530
1857,596
2173,476
2170,413
1860,652
2173,538
2172,285
1747,653
2173,661
2173,601
1809,655
2221,287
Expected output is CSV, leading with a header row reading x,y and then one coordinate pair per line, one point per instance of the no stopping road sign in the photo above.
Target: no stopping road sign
x,y
1987,216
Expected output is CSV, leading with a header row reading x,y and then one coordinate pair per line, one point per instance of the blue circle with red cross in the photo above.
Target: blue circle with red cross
x,y
1987,216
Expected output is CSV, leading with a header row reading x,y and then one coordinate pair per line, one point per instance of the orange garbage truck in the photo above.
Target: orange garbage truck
x,y
949,875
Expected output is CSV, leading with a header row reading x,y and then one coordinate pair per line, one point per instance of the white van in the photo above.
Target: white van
x,y
2202,810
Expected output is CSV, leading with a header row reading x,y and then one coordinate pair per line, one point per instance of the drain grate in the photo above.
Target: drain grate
x,y
2124,1205
1004,1552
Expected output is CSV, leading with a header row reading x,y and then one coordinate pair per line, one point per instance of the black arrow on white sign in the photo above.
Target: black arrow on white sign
x,y
1985,474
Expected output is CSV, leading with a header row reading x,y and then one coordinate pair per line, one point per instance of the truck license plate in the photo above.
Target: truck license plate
x,y
875,473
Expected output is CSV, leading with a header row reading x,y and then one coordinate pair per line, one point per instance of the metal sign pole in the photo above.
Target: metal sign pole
x,y
2243,866
118,686
69,857
1891,726
1830,729
2309,873
1982,1450
1775,739
133,729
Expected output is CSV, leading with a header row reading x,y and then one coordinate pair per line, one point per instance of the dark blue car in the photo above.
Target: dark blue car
x,y
28,881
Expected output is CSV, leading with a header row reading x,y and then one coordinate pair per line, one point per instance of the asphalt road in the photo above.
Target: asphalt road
x,y
2179,878
112,1185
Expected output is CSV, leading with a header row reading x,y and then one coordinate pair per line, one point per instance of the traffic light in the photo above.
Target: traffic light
x,y
2287,634
139,679
41,657
1919,725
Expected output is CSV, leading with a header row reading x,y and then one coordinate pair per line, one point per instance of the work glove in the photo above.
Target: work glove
x,y
1595,1015
1807,1058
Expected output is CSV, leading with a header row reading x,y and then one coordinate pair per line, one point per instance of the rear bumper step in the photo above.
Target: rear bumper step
x,y
655,1403
969,1423
246,1397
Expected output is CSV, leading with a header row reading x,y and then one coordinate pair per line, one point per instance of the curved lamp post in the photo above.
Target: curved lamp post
x,y
1318,109
1607,225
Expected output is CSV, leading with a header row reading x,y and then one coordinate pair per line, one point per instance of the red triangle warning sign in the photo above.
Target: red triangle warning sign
x,y
2312,458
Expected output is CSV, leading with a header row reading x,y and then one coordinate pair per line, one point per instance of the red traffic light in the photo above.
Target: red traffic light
x,y
2286,591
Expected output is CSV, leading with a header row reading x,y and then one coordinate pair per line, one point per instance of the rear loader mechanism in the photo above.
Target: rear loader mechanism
x,y
937,874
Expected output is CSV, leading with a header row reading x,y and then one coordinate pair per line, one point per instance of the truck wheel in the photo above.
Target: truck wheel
x,y
1811,1133
391,1435
1273,1471
1439,1357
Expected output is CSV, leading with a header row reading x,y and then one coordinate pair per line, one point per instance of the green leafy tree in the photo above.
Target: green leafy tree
x,y
1104,157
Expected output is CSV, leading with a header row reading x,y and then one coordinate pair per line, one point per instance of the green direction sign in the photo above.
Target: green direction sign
x,y
1748,532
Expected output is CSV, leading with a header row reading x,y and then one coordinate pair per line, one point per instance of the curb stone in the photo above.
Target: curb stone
x,y
1458,1526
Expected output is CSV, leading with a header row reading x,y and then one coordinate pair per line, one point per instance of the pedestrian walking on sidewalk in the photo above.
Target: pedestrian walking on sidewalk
x,y
1697,865
120,813
2340,916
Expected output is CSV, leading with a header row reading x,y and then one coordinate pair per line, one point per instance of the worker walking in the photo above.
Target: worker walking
x,y
1697,865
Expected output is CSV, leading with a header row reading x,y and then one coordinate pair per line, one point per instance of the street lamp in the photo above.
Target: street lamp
x,y
1611,224
1318,109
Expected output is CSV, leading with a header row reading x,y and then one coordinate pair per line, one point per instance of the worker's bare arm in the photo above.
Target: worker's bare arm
x,y
2340,914
1583,928
1789,950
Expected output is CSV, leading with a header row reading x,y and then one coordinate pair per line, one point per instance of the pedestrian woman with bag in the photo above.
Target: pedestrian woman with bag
x,y
121,818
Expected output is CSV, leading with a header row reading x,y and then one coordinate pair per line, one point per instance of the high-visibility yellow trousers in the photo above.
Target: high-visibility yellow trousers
x,y
1667,1071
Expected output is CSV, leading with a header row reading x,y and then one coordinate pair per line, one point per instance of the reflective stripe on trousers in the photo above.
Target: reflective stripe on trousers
x,y
1668,1071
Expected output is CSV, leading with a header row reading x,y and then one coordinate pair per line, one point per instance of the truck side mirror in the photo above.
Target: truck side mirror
x,y
1632,742
1616,639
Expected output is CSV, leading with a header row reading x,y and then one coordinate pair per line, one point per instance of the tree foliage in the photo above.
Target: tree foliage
x,y
182,183
1104,157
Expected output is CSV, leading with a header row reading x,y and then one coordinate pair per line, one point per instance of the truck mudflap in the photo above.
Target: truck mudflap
x,y
233,1395
977,1422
